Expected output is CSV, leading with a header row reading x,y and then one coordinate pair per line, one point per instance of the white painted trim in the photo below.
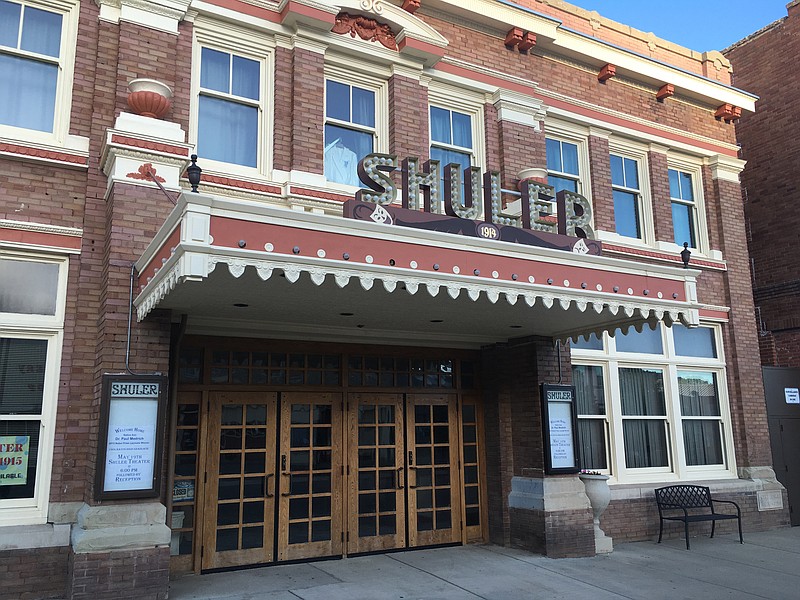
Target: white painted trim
x,y
725,168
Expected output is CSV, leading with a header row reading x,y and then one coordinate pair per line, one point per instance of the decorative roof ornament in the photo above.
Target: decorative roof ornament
x,y
375,6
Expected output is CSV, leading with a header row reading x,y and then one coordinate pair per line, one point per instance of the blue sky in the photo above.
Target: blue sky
x,y
697,24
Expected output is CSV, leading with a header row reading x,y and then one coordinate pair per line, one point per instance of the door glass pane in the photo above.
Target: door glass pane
x,y
227,539
252,537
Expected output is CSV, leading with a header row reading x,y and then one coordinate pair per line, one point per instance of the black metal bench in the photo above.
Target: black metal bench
x,y
691,500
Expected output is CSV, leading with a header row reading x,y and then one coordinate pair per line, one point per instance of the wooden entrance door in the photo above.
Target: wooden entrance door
x,y
311,483
376,473
239,487
434,488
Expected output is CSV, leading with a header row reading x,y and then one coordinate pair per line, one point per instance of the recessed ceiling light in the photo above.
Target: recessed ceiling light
x,y
240,305
346,314
437,320
515,326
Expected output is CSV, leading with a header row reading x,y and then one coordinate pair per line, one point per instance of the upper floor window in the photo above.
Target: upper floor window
x,y
229,108
451,137
625,184
563,172
684,209
350,129
31,61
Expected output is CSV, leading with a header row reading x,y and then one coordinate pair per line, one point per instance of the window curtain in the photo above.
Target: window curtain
x,y
642,394
29,97
702,439
590,396
227,131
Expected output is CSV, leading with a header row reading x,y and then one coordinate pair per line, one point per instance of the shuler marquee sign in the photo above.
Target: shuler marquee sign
x,y
470,203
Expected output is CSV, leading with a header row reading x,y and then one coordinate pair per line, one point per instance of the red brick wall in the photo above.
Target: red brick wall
x,y
308,111
122,575
580,82
741,339
408,118
282,137
637,520
35,574
659,193
602,197
520,147
765,65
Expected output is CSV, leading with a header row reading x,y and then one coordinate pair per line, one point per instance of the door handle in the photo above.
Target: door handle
x,y
398,478
266,486
412,487
288,491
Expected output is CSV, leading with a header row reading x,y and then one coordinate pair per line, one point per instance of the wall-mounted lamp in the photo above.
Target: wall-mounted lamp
x,y
193,172
685,255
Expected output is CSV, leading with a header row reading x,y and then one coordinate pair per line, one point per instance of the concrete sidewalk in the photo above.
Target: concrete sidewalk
x,y
766,566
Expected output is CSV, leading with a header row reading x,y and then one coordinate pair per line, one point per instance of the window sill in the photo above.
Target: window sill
x,y
74,153
23,537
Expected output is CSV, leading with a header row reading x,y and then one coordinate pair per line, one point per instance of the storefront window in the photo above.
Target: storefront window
x,y
31,320
651,404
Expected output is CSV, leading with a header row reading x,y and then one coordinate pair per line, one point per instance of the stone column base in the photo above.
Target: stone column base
x,y
551,516
121,552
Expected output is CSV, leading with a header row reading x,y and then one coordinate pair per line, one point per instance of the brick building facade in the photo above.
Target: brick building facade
x,y
346,373
769,185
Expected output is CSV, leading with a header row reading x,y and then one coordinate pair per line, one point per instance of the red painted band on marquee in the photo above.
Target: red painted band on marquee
x,y
227,232
159,258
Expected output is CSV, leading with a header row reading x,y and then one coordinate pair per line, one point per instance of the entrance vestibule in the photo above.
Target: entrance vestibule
x,y
363,453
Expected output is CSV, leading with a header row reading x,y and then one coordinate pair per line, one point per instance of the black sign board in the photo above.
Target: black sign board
x,y
560,427
129,452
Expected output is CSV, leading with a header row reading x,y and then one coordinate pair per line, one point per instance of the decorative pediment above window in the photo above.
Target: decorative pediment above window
x,y
365,28
414,37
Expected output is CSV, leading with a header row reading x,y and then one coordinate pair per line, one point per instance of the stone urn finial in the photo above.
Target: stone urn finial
x,y
149,98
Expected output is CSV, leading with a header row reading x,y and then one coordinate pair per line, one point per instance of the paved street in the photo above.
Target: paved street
x,y
766,566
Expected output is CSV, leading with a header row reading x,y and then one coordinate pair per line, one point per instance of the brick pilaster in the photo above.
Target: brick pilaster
x,y
308,111
602,198
659,196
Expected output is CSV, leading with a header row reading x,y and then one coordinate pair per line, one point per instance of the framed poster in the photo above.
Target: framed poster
x,y
131,435
560,429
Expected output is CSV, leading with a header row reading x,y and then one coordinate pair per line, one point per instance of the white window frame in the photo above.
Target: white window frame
x,y
693,168
341,72
33,511
247,44
468,102
572,134
638,153
69,11
612,360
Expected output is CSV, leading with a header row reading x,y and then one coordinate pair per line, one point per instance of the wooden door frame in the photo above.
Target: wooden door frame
x,y
209,558
335,546
375,543
428,538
